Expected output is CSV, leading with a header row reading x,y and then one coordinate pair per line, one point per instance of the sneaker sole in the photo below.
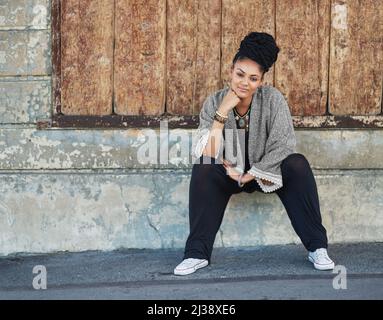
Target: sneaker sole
x,y
329,266
191,270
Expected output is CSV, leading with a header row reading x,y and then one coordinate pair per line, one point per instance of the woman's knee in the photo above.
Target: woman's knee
x,y
295,162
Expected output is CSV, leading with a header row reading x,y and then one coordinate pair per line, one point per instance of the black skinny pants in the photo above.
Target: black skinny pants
x,y
210,191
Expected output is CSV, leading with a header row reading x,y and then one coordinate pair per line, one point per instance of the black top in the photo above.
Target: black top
x,y
247,162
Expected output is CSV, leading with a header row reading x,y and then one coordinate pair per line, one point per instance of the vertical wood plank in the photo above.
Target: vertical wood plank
x,y
301,72
139,59
238,19
356,57
193,53
86,56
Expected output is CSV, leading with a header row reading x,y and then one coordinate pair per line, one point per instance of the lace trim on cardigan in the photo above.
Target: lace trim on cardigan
x,y
275,179
266,188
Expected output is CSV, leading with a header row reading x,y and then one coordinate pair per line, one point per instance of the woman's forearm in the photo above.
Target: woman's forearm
x,y
215,136
214,140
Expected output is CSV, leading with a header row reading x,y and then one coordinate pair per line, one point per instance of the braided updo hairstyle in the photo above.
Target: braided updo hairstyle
x,y
259,47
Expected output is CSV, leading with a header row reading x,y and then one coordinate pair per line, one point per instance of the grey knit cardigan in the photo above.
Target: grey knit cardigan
x,y
271,135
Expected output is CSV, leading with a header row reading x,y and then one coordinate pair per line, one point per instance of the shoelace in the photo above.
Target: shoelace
x,y
189,262
322,254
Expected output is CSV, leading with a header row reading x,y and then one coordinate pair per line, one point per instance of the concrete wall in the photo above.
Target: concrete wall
x,y
65,189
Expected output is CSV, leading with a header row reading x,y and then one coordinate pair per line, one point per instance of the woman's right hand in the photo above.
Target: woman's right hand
x,y
229,101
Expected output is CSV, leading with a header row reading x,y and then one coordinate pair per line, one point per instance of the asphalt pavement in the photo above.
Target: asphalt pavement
x,y
245,273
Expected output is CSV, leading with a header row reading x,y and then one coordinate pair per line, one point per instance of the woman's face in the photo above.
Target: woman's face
x,y
246,74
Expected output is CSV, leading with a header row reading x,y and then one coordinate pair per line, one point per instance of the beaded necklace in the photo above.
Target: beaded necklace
x,y
243,121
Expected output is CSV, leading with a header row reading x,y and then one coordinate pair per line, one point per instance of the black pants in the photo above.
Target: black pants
x,y
211,189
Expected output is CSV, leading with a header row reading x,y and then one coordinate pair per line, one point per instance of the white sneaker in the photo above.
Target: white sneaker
x,y
189,266
321,260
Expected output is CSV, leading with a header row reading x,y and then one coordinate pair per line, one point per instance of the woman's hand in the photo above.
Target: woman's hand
x,y
230,170
234,174
268,183
229,101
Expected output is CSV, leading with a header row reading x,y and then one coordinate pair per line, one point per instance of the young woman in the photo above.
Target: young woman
x,y
246,142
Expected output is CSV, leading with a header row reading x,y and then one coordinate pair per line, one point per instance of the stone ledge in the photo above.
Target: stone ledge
x,y
76,212
61,149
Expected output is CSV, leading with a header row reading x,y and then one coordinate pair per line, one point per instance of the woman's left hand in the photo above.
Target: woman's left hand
x,y
230,170
234,174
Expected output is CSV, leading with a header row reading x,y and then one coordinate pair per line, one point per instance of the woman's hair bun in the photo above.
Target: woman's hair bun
x,y
260,47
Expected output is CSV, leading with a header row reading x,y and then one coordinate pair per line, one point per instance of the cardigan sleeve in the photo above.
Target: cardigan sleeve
x,y
280,143
201,136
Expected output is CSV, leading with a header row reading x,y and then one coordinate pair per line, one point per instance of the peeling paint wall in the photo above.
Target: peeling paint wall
x,y
31,149
25,61
46,212
72,189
